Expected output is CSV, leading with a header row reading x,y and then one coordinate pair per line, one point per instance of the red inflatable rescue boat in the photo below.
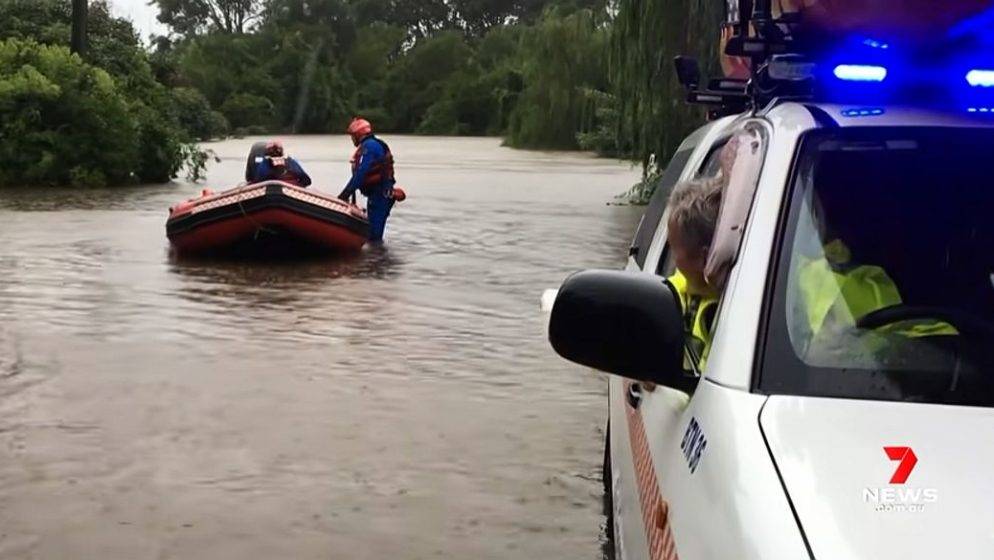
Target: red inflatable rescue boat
x,y
263,215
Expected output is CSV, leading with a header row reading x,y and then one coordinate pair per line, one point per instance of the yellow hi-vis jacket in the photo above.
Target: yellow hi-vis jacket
x,y
698,318
835,292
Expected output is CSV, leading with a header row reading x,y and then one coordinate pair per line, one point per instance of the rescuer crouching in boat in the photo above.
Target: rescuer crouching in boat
x,y
373,176
277,166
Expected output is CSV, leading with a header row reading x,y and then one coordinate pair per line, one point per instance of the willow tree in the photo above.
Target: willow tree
x,y
78,37
645,37
563,57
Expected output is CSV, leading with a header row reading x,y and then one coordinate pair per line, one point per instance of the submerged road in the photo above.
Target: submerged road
x,y
401,403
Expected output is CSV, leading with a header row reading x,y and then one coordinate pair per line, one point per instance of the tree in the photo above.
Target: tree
x,y
476,17
110,92
421,18
79,8
65,122
563,57
190,17
196,115
419,79
329,21
645,37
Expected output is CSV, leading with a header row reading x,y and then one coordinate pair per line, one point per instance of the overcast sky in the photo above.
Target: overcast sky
x,y
141,14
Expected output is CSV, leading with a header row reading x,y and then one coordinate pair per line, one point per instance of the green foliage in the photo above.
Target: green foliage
x,y
645,37
431,67
45,21
603,136
112,120
65,122
196,116
563,57
330,20
246,109
418,79
376,46
466,107
160,138
227,16
536,71
196,167
113,43
220,66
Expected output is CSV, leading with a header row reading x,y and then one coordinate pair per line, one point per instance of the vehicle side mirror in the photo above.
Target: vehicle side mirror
x,y
688,71
626,323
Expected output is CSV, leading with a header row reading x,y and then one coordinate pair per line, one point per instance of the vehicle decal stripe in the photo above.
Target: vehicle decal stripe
x,y
655,510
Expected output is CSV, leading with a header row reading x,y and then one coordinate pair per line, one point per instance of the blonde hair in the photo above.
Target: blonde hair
x,y
694,207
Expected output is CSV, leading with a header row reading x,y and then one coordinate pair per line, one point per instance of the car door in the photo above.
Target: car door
x,y
664,430
627,500
629,530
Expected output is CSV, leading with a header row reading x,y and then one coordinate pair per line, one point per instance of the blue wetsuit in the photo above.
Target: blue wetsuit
x,y
373,158
291,173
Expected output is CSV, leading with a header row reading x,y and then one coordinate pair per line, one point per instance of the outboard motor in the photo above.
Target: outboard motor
x,y
255,156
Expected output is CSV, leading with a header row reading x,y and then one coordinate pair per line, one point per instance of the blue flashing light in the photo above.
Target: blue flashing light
x,y
980,78
979,25
860,73
862,112
981,110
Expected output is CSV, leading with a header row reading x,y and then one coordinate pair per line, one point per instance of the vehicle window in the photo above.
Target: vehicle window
x,y
657,204
712,163
885,286
712,168
736,167
742,160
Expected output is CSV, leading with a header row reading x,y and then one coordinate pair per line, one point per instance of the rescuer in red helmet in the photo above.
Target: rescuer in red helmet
x,y
277,166
372,175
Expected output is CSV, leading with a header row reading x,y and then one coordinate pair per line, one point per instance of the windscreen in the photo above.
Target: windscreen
x,y
885,284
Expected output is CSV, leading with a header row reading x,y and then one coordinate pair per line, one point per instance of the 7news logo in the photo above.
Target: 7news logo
x,y
898,497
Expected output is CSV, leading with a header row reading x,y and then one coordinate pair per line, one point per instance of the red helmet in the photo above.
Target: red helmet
x,y
274,148
359,128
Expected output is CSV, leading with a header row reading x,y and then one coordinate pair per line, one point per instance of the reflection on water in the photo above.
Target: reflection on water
x,y
375,261
401,402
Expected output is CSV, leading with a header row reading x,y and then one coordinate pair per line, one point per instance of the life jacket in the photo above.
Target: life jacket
x,y
380,171
698,318
280,171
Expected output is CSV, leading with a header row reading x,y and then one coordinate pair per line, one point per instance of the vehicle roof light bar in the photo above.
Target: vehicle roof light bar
x,y
876,44
863,112
980,78
860,73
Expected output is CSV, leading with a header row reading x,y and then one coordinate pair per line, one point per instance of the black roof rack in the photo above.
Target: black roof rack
x,y
781,50
760,38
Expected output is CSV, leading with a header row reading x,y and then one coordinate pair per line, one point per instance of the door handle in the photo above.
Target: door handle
x,y
634,395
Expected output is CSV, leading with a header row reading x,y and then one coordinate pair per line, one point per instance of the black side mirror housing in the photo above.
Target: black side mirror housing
x,y
688,71
625,323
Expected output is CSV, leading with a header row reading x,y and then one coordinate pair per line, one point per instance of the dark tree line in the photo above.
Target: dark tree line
x,y
427,66
544,73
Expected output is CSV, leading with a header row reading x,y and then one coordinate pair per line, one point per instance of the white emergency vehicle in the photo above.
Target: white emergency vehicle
x,y
845,409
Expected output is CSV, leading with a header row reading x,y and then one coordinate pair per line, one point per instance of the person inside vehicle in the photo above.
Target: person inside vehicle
x,y
834,290
277,166
372,175
693,215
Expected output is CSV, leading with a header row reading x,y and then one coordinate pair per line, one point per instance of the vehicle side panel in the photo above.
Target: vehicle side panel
x,y
724,497
629,527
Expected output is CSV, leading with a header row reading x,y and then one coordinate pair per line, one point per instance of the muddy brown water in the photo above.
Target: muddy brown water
x,y
402,403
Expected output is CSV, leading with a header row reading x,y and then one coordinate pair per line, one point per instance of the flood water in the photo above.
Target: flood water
x,y
402,403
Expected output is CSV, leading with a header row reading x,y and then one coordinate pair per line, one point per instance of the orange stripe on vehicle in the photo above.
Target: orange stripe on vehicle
x,y
655,510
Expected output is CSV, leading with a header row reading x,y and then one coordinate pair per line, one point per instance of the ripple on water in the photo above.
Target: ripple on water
x,y
402,402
